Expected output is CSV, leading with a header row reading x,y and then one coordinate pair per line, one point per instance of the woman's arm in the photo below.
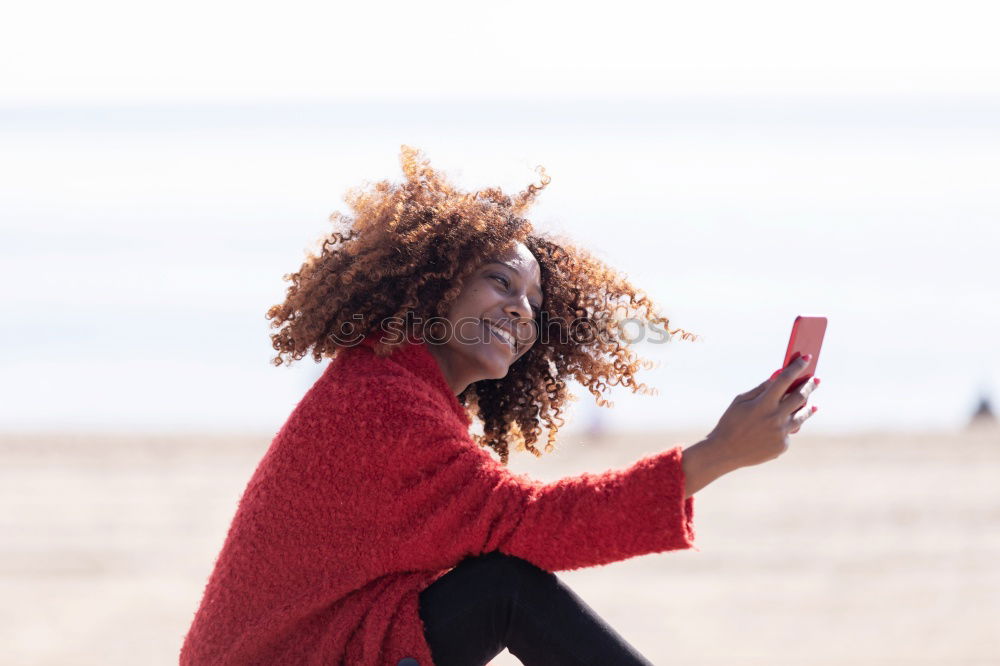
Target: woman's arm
x,y
443,497
703,463
753,430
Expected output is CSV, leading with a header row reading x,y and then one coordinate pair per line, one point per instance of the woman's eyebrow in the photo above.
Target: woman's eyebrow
x,y
516,272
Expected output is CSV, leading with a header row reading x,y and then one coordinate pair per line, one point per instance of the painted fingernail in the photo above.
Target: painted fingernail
x,y
814,409
807,358
816,381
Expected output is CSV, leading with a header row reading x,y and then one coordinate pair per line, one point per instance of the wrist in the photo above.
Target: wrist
x,y
703,463
718,455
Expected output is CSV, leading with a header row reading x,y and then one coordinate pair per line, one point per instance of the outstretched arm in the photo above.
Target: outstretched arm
x,y
452,499
703,464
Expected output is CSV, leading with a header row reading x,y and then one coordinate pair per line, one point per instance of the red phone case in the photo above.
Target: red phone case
x,y
807,338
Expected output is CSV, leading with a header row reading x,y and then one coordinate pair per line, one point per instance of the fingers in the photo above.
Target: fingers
x,y
800,418
798,397
754,392
785,379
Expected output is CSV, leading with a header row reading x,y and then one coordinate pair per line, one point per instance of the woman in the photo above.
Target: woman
x,y
377,529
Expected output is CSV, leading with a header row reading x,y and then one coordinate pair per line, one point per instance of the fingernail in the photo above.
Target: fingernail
x,y
816,381
814,409
807,358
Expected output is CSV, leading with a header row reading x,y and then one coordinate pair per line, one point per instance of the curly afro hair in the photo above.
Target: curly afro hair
x,y
408,249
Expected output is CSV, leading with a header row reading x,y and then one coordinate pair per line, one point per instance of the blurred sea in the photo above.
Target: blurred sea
x,y
143,245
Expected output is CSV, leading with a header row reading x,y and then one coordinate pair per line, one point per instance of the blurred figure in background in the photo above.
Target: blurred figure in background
x,y
983,416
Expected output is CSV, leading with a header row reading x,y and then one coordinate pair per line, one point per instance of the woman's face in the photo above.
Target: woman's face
x,y
504,293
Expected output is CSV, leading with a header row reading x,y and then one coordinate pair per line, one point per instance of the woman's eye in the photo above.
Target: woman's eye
x,y
506,283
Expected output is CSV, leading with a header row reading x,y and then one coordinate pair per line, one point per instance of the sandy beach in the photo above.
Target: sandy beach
x,y
869,549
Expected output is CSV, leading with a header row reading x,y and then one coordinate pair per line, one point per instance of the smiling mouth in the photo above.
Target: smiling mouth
x,y
506,337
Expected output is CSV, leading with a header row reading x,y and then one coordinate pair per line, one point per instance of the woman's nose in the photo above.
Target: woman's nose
x,y
522,319
519,309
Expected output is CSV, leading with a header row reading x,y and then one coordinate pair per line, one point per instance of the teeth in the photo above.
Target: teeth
x,y
505,335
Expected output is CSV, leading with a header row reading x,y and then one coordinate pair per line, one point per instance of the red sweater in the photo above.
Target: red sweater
x,y
373,489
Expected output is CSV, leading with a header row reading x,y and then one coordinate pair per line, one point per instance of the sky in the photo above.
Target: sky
x,y
163,167
125,52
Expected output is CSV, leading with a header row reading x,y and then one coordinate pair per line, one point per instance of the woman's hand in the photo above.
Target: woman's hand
x,y
755,427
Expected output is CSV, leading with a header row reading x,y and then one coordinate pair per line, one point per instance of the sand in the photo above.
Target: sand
x,y
877,548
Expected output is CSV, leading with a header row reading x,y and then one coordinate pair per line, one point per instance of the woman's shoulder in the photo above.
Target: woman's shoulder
x,y
359,383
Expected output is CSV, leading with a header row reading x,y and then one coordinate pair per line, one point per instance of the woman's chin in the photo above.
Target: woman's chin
x,y
496,363
497,371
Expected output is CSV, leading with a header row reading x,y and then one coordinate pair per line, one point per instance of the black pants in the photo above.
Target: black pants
x,y
497,601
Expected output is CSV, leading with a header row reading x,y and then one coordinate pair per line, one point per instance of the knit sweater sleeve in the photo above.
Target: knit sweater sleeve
x,y
450,498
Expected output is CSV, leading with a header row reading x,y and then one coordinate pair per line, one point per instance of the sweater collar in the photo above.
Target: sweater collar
x,y
414,356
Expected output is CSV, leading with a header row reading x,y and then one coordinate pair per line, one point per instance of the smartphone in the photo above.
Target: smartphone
x,y
807,338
